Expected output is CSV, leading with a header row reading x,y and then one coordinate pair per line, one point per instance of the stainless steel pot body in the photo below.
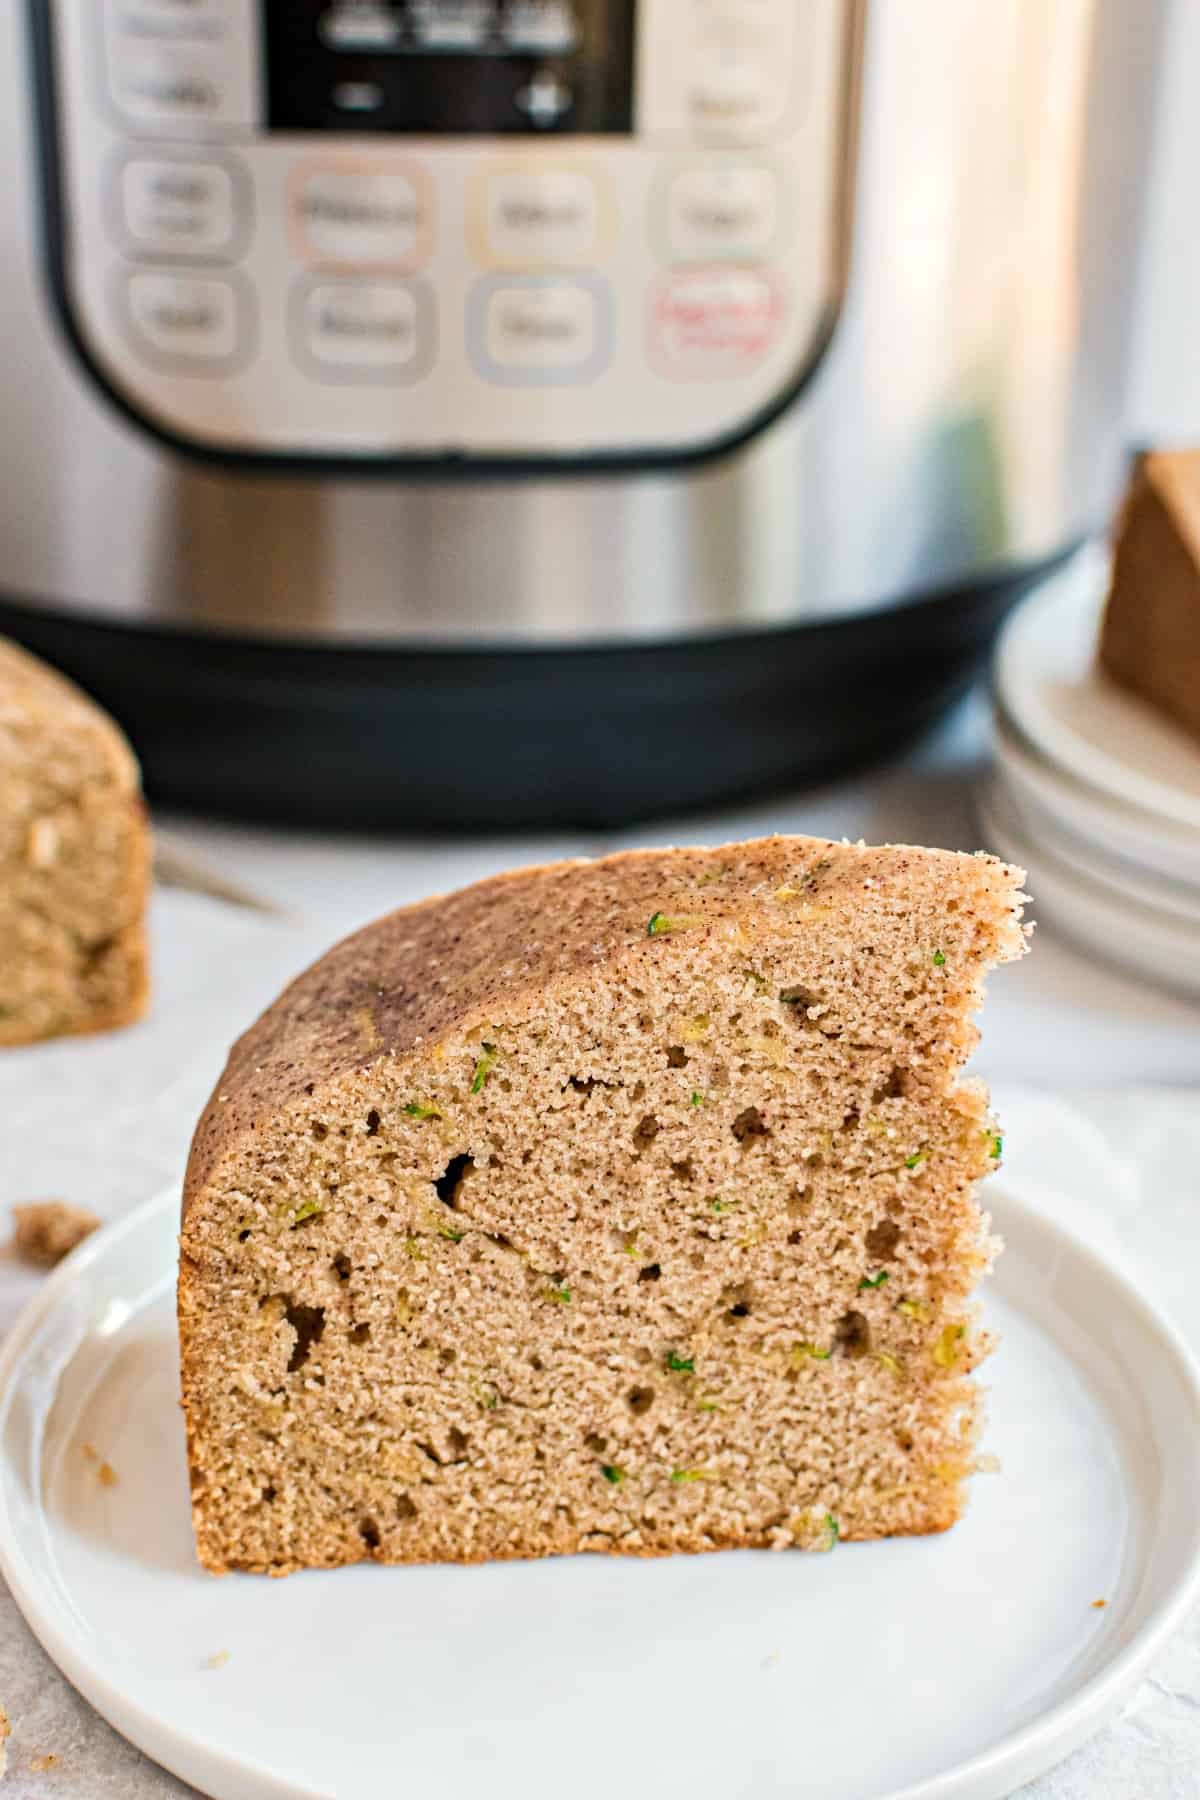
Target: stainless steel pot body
x,y
966,417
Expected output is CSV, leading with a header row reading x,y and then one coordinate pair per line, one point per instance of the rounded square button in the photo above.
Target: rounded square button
x,y
170,18
711,324
737,91
367,331
540,27
532,331
538,217
169,207
192,323
457,25
361,218
721,210
160,84
770,23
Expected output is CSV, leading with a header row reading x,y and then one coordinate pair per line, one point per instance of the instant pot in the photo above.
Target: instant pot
x,y
523,411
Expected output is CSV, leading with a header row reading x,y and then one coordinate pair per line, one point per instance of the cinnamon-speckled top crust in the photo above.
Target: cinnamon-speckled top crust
x,y
459,959
32,694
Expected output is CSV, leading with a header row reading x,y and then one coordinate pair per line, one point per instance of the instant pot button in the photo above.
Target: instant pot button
x,y
190,322
730,210
175,208
158,84
169,18
737,92
362,218
535,217
710,324
365,331
539,332
767,23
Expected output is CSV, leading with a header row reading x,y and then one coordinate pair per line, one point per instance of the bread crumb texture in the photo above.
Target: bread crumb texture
x,y
45,1231
74,860
621,1206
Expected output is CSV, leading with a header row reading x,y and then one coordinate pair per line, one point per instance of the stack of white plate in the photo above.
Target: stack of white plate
x,y
1091,791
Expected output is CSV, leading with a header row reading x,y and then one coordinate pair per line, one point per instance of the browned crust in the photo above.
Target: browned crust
x,y
448,962
132,943
25,675
937,1520
43,692
1150,636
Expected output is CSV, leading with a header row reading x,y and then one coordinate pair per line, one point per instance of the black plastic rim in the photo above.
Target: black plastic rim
x,y
390,738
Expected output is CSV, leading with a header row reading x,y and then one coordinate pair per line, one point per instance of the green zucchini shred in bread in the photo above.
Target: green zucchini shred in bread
x,y
466,1273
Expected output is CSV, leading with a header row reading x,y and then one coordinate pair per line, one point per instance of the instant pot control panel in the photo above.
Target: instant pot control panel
x,y
498,231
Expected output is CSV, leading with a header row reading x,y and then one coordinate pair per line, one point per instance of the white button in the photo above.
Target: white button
x,y
763,22
540,27
542,216
184,317
176,208
172,18
359,25
544,99
728,211
361,218
541,327
167,84
535,332
363,327
452,24
714,322
737,93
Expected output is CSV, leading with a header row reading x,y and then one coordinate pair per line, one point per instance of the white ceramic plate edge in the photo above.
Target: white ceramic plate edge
x,y
1128,934
1168,851
1077,593
191,1760
1129,882
990,1775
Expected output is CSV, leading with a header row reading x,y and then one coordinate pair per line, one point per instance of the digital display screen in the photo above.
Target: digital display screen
x,y
539,67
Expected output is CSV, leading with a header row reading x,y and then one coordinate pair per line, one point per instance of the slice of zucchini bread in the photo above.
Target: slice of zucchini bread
x,y
74,860
625,1205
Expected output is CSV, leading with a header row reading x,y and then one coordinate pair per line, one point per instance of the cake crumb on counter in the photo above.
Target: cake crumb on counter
x,y
5,1734
217,1660
40,1764
44,1231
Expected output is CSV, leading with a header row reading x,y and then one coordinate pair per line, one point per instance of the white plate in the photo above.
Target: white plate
x,y
1157,847
1048,681
949,1668
1092,858
1159,945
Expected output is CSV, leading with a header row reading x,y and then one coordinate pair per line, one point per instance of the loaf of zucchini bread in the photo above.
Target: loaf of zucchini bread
x,y
1150,638
74,860
624,1206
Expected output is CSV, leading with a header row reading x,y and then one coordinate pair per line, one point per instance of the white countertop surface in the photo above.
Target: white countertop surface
x,y
1091,1071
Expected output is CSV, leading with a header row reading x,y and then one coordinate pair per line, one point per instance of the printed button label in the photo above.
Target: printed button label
x,y
185,318
531,331
713,322
159,82
174,18
724,211
177,208
541,216
367,329
737,92
362,218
